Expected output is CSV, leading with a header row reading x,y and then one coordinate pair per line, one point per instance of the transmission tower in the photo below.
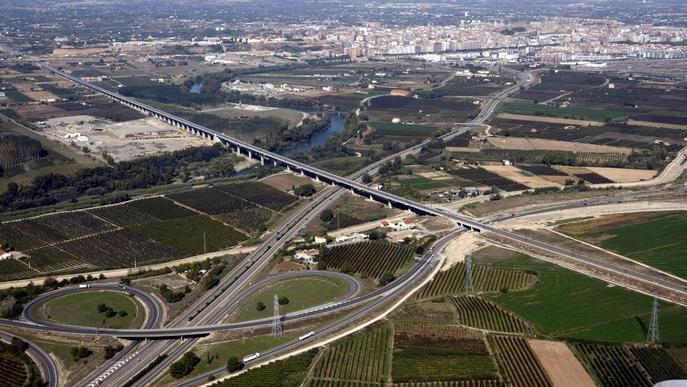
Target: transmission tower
x,y
468,274
276,322
652,336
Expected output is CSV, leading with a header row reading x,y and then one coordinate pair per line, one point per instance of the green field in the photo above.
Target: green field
x,y
568,304
81,309
186,234
342,165
659,242
398,129
578,113
302,293
436,364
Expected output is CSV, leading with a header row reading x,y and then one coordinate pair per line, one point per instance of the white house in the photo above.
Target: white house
x,y
357,237
308,256
4,254
320,240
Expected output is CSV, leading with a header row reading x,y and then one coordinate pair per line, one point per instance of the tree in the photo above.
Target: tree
x,y
123,313
234,364
110,351
419,249
283,300
102,308
19,345
386,278
184,366
80,352
305,190
327,215
260,306
367,179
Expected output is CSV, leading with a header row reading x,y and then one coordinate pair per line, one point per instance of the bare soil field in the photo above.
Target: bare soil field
x,y
657,124
515,174
551,120
624,175
286,181
34,92
542,144
123,141
561,364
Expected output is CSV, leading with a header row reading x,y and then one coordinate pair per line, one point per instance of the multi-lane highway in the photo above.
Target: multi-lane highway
x,y
358,188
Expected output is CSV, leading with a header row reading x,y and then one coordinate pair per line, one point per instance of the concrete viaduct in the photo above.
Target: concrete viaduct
x,y
266,157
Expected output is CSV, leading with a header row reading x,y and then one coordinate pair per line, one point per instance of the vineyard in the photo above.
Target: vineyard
x,y
285,373
622,366
364,357
484,278
32,233
370,258
658,363
12,371
140,212
211,201
480,313
437,336
340,383
15,150
542,170
456,383
426,312
517,362
483,177
594,178
259,193
251,220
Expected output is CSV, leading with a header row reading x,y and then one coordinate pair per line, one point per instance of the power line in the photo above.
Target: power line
x,y
276,322
468,274
652,335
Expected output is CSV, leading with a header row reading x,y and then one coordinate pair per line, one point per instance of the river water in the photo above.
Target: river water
x,y
336,125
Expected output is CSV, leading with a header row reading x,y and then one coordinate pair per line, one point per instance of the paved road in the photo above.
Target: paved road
x,y
370,302
152,305
46,364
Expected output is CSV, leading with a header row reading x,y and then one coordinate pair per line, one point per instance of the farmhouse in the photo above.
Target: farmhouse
x,y
320,240
307,256
399,225
357,237
4,254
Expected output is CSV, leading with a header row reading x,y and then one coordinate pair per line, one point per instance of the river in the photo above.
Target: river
x,y
336,125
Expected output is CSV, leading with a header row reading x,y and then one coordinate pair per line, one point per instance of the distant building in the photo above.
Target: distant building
x,y
4,254
307,256
357,237
320,240
399,225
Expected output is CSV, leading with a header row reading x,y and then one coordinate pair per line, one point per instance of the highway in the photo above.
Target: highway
x,y
46,364
384,197
369,303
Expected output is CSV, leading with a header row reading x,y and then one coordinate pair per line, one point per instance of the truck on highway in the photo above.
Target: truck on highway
x,y
83,286
251,357
305,336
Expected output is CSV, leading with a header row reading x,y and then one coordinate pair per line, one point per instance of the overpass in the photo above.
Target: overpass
x,y
267,157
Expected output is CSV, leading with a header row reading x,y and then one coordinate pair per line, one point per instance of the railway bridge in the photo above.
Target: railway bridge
x,y
267,157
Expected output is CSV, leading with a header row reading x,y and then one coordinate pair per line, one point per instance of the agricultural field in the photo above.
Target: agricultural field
x,y
482,177
420,110
480,313
541,157
259,193
426,312
517,363
17,369
363,357
623,366
398,131
289,372
654,239
486,279
193,235
579,113
428,352
560,363
138,232
421,183
81,309
564,304
370,258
